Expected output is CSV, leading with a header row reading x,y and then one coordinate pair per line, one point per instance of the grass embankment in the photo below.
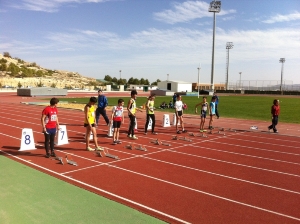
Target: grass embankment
x,y
244,107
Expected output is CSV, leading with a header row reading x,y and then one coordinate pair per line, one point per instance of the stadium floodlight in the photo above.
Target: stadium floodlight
x,y
240,79
198,79
281,60
120,73
229,45
215,6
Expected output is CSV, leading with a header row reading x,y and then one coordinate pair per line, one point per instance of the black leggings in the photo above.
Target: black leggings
x,y
152,116
132,125
49,138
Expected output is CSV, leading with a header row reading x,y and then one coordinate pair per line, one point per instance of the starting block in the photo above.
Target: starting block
x,y
98,153
158,142
70,160
60,159
185,139
191,134
107,154
199,135
218,132
132,146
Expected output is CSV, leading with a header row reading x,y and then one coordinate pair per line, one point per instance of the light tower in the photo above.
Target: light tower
x,y
215,6
198,79
120,74
240,79
229,45
281,60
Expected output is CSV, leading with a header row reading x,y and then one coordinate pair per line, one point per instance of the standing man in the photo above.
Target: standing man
x,y
216,105
174,99
102,104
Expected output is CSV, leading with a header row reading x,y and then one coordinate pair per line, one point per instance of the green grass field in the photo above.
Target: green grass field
x,y
244,107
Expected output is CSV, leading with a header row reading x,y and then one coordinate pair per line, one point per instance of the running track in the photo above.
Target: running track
x,y
239,177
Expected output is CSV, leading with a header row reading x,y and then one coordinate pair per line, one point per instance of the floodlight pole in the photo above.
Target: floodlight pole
x,y
281,60
215,6
120,74
198,79
240,78
229,46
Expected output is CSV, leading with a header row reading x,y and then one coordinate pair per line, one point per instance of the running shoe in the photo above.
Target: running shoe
x,y
90,149
53,154
276,131
178,132
201,130
184,131
154,133
145,133
115,142
129,136
134,137
204,130
47,155
99,148
119,142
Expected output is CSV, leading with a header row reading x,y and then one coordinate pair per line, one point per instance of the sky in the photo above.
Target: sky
x,y
152,39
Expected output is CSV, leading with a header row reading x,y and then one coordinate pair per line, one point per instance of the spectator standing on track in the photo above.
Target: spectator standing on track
x,y
275,111
131,108
150,114
174,98
212,112
204,106
101,110
89,124
179,114
216,104
50,125
117,117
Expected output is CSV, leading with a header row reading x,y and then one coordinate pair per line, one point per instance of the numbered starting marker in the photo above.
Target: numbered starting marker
x,y
110,131
27,140
166,120
62,136
150,124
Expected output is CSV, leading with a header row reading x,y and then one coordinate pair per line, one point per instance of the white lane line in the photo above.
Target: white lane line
x,y
225,176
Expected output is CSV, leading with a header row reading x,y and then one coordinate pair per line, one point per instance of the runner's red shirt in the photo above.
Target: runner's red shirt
x,y
51,116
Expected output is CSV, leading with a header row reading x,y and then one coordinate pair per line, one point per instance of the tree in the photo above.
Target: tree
x,y
13,69
19,85
39,84
39,73
142,81
115,80
3,67
130,81
136,82
147,82
155,83
53,85
108,78
6,54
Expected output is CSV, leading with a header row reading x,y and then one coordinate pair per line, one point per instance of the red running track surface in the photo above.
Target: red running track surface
x,y
240,177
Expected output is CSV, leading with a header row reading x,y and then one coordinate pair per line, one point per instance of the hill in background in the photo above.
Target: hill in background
x,y
18,73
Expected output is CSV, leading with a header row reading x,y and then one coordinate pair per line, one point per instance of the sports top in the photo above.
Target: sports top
x,y
51,116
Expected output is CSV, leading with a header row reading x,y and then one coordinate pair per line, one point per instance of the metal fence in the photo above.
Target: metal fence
x,y
264,85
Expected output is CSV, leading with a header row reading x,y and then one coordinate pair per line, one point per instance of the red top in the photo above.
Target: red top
x,y
51,116
118,112
275,110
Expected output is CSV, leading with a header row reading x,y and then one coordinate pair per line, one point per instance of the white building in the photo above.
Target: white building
x,y
175,86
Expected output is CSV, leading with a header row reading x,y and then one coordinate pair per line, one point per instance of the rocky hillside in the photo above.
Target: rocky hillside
x,y
17,73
